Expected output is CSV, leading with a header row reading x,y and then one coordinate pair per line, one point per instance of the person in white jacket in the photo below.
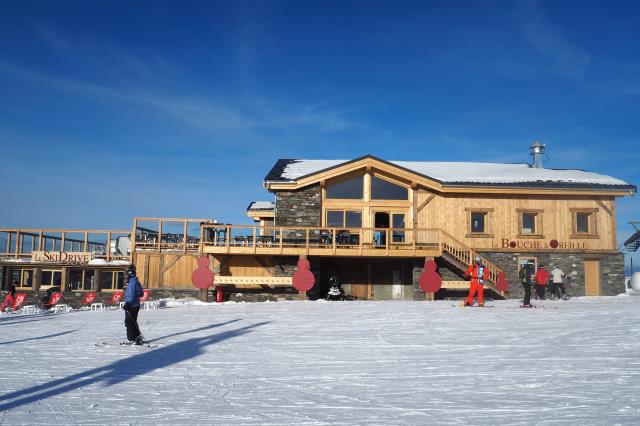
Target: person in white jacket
x,y
557,279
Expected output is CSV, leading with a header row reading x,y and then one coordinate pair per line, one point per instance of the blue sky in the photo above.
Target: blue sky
x,y
110,110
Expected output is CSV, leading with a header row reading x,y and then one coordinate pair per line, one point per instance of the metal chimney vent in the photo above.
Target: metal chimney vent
x,y
537,150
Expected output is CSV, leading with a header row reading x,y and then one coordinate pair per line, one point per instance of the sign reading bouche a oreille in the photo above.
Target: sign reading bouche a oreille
x,y
61,256
541,244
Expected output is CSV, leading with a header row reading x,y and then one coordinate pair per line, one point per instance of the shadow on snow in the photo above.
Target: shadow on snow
x,y
125,369
48,336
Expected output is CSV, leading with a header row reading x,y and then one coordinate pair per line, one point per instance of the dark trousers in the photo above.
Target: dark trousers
x,y
131,322
527,294
557,288
540,290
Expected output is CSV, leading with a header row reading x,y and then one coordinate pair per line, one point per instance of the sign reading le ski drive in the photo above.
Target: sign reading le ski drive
x,y
61,256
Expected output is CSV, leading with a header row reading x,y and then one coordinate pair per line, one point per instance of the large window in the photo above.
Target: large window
x,y
81,279
398,227
350,189
50,278
344,219
111,280
584,223
479,222
385,190
23,276
530,223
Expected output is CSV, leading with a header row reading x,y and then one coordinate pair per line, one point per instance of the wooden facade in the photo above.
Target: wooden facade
x,y
368,213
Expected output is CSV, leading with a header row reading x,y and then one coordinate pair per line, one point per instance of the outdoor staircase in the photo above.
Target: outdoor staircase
x,y
458,255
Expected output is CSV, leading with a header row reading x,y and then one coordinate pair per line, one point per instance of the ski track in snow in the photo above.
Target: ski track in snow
x,y
318,363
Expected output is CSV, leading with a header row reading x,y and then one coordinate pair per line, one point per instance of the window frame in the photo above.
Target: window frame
x,y
84,271
113,280
50,285
488,223
22,275
592,223
538,223
343,179
391,182
344,217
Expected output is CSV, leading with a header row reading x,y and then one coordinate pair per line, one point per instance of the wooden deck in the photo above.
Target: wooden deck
x,y
309,241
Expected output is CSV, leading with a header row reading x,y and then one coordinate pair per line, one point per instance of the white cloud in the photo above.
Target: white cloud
x,y
549,39
54,40
214,115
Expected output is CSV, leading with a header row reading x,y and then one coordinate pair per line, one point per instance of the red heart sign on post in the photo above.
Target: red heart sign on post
x,y
430,280
502,284
303,278
202,277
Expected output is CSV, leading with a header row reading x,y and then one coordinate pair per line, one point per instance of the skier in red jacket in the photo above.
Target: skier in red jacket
x,y
541,279
479,274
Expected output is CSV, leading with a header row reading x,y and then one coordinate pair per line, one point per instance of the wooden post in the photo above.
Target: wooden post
x,y
159,235
17,244
333,239
429,296
108,246
255,242
184,236
307,242
134,234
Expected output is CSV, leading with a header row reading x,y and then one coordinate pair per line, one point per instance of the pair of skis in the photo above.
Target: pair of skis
x,y
140,340
144,344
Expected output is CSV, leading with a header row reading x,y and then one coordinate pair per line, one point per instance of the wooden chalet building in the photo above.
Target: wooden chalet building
x,y
370,221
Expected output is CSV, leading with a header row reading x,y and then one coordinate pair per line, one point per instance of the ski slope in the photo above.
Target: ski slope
x,y
319,363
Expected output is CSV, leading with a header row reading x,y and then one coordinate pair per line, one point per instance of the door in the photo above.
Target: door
x,y
592,277
361,281
395,221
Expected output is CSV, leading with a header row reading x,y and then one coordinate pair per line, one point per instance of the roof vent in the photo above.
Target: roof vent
x,y
537,150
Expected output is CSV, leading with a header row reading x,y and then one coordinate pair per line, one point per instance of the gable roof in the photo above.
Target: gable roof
x,y
460,174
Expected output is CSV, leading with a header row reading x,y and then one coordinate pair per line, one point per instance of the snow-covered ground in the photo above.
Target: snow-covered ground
x,y
316,363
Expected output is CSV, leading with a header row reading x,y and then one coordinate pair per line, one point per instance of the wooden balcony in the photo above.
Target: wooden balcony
x,y
20,243
314,241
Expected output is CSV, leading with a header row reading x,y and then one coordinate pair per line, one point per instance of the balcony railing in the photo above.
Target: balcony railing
x,y
108,245
167,234
218,238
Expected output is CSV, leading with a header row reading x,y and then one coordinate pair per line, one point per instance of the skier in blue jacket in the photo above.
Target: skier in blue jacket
x,y
132,296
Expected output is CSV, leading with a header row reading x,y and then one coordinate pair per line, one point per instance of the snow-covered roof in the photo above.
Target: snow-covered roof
x,y
261,205
456,173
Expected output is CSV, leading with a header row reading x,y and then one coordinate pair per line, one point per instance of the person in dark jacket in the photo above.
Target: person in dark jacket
x,y
131,307
10,299
525,273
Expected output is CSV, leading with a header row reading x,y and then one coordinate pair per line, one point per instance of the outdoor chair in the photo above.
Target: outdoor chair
x,y
147,303
115,300
54,299
54,303
89,302
18,304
